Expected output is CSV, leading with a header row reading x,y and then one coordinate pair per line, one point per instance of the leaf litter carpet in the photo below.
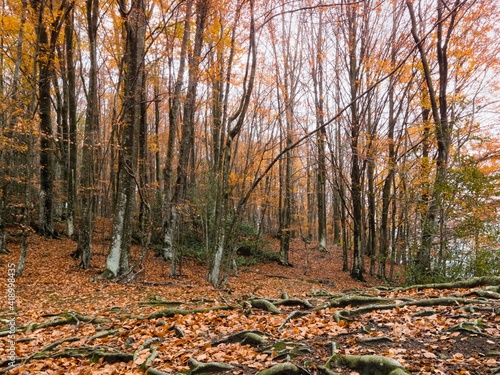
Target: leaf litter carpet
x,y
424,339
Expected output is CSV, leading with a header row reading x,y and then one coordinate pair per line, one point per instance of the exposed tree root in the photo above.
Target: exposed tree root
x,y
294,302
356,300
264,304
469,283
90,352
157,301
168,313
146,345
450,301
293,315
70,317
252,338
368,364
286,368
101,334
210,367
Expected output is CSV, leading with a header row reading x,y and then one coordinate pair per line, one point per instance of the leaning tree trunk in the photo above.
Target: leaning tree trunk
x,y
117,262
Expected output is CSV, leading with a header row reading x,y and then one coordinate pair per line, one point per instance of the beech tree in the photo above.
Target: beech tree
x,y
47,37
351,120
88,173
134,18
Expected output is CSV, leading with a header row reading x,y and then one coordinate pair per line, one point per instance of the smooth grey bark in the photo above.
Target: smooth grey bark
x,y
71,140
87,178
356,188
170,219
318,79
47,36
180,190
223,227
287,83
117,261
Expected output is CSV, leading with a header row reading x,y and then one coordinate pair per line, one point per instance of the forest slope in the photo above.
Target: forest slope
x,y
69,322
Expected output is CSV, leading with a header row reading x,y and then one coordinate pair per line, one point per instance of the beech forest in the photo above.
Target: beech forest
x,y
250,187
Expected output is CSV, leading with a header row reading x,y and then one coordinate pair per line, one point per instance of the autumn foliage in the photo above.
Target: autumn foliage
x,y
182,141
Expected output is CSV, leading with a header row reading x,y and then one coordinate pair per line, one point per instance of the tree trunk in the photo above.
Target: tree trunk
x,y
173,115
224,225
46,163
439,110
45,59
319,107
357,261
117,262
179,197
72,122
86,221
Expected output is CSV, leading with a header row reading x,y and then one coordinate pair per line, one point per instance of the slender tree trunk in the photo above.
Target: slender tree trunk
x,y
371,242
225,228
143,159
356,188
87,209
287,84
439,109
179,197
29,141
46,227
389,181
72,122
117,262
320,111
173,115
46,40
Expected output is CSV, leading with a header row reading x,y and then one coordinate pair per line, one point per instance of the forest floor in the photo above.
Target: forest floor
x,y
69,322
